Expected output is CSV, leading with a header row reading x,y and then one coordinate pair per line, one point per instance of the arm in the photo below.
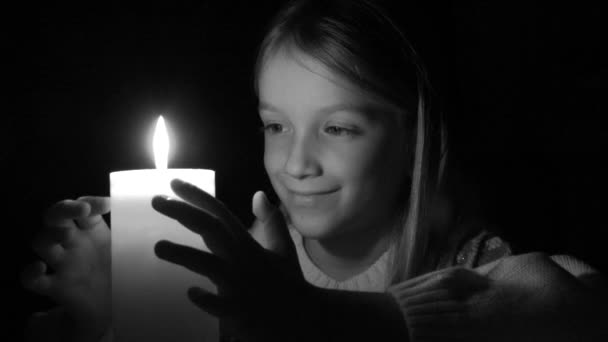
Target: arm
x,y
518,298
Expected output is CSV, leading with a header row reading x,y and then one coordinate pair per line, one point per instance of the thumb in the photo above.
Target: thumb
x,y
261,207
270,229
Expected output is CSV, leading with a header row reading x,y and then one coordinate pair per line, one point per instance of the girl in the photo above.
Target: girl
x,y
363,245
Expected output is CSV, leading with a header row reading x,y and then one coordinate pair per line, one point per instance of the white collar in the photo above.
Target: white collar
x,y
373,279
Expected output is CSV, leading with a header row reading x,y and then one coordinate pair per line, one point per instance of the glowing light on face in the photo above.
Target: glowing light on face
x,y
334,155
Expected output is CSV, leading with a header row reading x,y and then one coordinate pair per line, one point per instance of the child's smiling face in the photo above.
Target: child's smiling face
x,y
334,154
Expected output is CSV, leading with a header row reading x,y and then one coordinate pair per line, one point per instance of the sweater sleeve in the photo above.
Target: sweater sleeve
x,y
529,297
54,325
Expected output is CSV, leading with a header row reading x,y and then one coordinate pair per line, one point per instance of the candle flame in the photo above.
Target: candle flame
x,y
161,144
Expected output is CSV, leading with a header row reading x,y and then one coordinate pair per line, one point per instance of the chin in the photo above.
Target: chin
x,y
317,228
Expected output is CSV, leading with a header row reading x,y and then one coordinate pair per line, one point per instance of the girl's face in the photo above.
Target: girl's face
x,y
334,154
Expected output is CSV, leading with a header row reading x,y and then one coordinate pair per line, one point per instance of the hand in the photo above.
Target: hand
x,y
75,246
262,294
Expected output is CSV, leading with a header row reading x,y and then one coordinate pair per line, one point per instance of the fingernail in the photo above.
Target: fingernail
x,y
262,196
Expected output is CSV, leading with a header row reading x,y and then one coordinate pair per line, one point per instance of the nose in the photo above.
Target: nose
x,y
301,161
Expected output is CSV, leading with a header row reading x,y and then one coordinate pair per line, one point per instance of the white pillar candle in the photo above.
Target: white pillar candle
x,y
149,300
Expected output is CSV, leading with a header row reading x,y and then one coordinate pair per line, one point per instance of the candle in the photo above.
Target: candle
x,y
149,301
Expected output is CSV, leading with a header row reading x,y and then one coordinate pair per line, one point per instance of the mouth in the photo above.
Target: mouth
x,y
310,199
311,193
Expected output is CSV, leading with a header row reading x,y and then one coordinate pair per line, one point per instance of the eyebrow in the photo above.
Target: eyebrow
x,y
360,108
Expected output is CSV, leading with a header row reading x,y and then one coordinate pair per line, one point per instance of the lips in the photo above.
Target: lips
x,y
310,198
310,193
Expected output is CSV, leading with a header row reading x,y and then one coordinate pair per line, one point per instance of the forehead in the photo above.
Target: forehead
x,y
291,78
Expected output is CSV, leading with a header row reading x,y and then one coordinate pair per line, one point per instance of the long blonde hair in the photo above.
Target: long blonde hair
x,y
356,39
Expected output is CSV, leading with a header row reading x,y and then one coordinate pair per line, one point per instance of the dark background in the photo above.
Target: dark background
x,y
523,86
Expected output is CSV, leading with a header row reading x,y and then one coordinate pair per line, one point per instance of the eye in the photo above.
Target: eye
x,y
273,128
340,131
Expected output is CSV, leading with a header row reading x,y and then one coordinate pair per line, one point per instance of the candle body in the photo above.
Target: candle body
x,y
149,300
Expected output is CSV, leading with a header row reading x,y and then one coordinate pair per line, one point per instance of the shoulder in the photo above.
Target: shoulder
x,y
481,248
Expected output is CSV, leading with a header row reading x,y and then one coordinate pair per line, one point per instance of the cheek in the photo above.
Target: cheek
x,y
274,156
361,162
372,172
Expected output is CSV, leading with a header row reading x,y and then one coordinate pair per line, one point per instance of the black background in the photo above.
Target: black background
x,y
523,86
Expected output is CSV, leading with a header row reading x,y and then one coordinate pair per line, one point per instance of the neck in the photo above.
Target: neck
x,y
344,256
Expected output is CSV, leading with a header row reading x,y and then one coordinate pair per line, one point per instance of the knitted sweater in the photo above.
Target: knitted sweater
x,y
481,249
483,293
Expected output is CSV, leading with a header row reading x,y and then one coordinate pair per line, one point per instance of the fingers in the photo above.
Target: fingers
x,y
34,278
60,226
198,221
262,211
59,221
271,230
261,206
200,262
213,304
55,235
50,243
205,201
63,212
257,230
97,206
48,250
460,282
86,210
